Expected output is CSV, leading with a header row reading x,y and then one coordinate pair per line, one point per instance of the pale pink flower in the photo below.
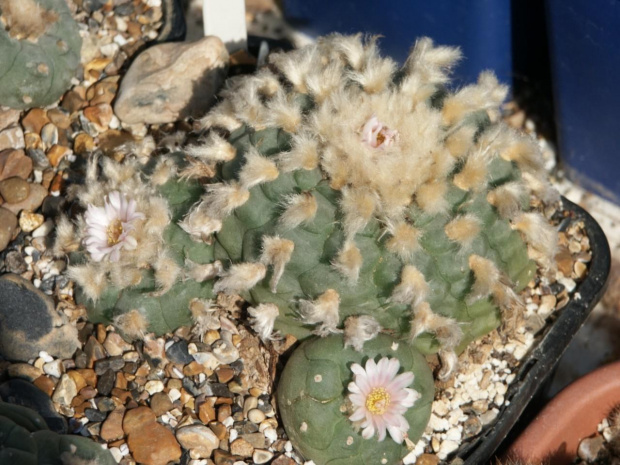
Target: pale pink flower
x,y
108,227
376,134
381,398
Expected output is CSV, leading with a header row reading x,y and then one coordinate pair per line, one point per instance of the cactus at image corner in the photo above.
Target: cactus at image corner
x,y
334,192
314,410
39,52
26,440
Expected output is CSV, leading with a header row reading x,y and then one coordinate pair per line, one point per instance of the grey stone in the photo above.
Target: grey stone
x,y
178,353
29,323
171,81
105,383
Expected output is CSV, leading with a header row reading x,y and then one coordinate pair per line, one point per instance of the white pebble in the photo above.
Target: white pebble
x,y
271,434
124,449
174,394
44,229
446,448
116,454
46,357
233,435
453,434
288,447
228,422
54,368
154,386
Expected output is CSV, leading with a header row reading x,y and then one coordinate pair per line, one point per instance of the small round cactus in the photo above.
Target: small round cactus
x,y
26,440
315,407
334,192
39,52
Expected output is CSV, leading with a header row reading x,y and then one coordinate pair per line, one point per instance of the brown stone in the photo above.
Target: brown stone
x,y
198,439
193,368
168,82
112,427
78,379
83,143
100,115
221,457
219,429
12,138
241,447
24,371
56,153
137,418
88,392
223,412
59,117
121,381
427,459
206,412
14,163
45,384
89,376
224,373
14,190
33,141
104,91
57,183
29,221
153,444
161,403
111,140
34,120
9,117
74,100
8,225
283,460
32,202
122,395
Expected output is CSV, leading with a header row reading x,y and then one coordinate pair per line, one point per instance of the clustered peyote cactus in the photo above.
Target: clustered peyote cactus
x,y
337,194
39,51
25,439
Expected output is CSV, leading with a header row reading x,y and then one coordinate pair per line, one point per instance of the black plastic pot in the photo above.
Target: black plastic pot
x,y
538,366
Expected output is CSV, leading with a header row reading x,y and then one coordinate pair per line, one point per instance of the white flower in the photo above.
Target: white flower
x,y
376,134
108,227
380,398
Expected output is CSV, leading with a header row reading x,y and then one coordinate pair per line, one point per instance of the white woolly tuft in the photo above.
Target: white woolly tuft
x,y
463,229
432,64
263,317
508,198
304,154
164,170
486,277
205,316
240,277
66,238
351,48
221,116
199,224
412,288
376,75
257,169
221,199
284,112
404,240
201,273
323,312
447,330
167,273
349,262
322,82
132,324
214,149
539,235
449,361
299,208
358,207
90,278
296,65
358,330
276,252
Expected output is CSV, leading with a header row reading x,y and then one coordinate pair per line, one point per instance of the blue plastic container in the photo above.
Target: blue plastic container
x,y
584,38
482,28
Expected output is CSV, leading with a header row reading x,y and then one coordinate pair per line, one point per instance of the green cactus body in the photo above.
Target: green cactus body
x,y
344,188
39,52
311,401
26,440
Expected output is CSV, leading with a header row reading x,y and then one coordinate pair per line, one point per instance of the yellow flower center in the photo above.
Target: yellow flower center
x,y
115,229
377,401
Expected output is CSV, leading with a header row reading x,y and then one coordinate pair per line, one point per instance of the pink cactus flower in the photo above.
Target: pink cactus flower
x,y
108,227
376,134
381,397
